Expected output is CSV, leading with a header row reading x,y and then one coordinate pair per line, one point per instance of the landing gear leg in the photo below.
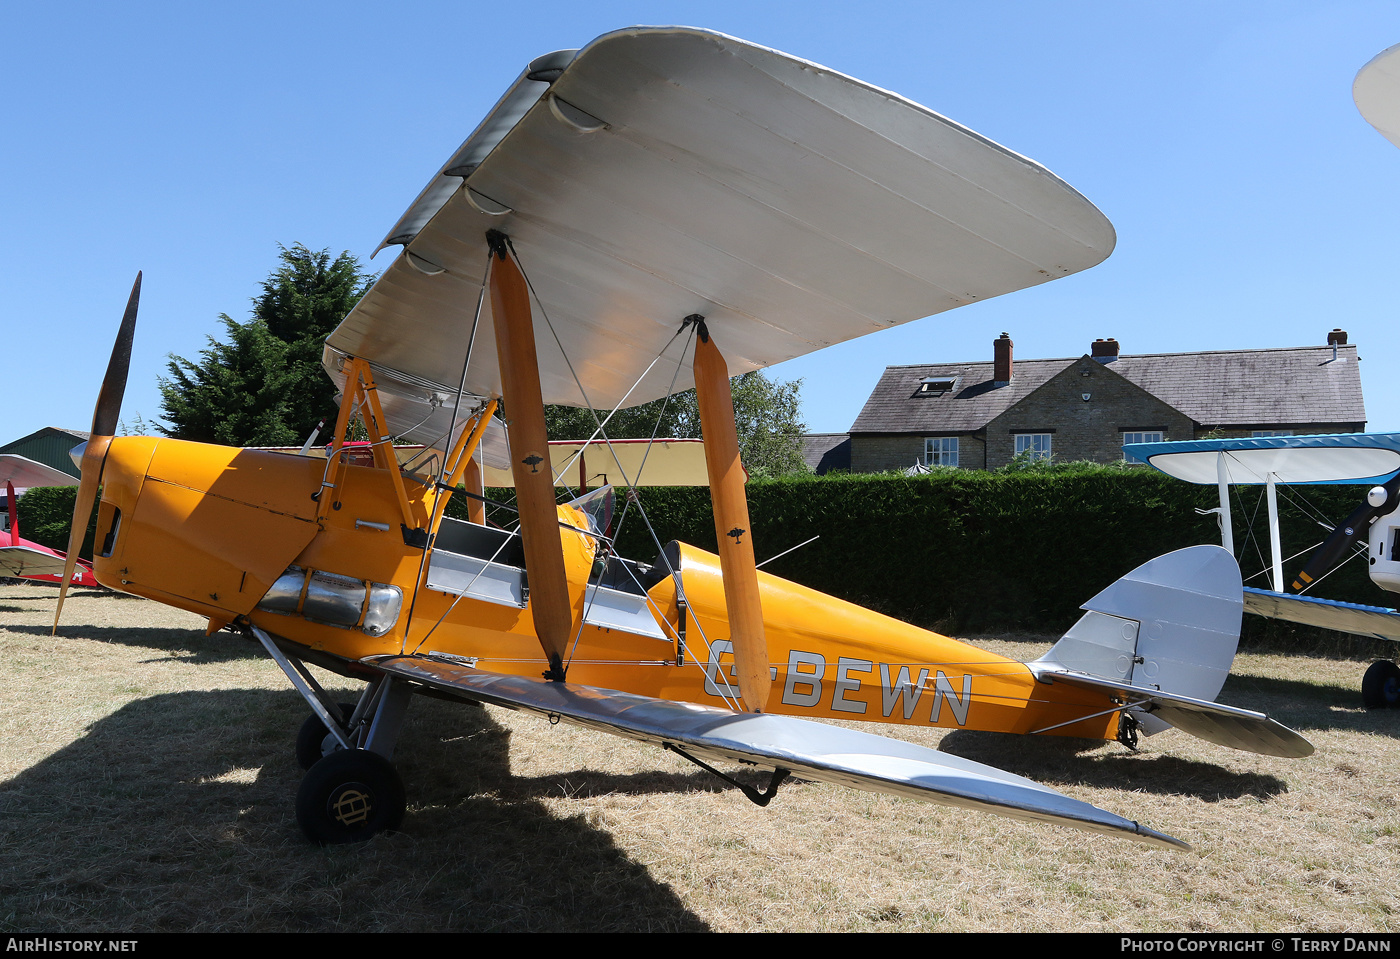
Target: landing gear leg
x,y
351,790
314,740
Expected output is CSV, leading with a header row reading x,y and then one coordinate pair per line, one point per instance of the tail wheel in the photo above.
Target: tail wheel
x,y
311,738
1128,727
1380,688
349,796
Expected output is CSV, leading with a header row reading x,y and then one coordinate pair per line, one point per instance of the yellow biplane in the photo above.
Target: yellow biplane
x,y
661,209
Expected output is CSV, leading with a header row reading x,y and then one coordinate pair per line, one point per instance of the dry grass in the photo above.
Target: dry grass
x,y
148,781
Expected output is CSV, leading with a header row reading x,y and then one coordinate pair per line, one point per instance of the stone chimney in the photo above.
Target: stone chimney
x,y
1337,338
1105,351
1001,360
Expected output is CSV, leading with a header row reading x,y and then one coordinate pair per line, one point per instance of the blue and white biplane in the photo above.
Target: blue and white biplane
x,y
1372,530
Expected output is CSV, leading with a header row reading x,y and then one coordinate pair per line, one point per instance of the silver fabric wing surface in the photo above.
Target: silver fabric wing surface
x,y
815,751
24,473
1376,621
662,172
1376,91
22,561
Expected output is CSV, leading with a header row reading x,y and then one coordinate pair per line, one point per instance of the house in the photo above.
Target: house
x,y
49,446
824,452
982,414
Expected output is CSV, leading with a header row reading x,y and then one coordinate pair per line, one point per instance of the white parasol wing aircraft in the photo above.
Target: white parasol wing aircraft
x,y
1376,91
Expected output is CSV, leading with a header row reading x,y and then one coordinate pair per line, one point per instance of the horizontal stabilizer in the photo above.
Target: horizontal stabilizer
x,y
1223,725
1375,621
813,751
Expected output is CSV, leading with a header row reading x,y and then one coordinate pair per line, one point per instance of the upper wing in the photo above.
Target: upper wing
x,y
1368,458
663,172
811,750
1376,91
1376,621
629,462
24,473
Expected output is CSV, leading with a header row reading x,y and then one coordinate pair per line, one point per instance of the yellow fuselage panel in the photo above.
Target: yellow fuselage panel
x,y
197,529
837,660
210,528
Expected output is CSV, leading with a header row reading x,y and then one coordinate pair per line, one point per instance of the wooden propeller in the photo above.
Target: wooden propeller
x,y
104,427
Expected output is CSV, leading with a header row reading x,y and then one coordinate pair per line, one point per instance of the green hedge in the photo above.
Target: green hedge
x,y
46,517
975,551
960,549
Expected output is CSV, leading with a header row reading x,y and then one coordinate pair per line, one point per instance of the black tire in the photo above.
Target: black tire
x,y
312,736
349,796
1380,687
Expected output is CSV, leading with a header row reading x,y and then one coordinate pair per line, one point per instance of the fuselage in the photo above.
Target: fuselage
x,y
233,534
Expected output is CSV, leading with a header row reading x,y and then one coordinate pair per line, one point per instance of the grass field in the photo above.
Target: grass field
x,y
147,781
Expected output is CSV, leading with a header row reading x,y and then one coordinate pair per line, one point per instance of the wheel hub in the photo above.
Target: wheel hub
x,y
350,805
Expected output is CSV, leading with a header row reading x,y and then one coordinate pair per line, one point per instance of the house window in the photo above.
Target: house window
x,y
941,451
1259,434
1144,436
936,385
1035,446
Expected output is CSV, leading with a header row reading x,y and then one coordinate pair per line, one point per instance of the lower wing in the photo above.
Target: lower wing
x,y
814,751
1376,621
23,562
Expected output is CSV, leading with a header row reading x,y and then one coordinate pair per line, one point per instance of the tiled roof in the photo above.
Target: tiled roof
x,y
826,451
1243,387
1215,388
895,407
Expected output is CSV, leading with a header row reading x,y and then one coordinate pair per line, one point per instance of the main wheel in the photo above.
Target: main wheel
x,y
349,796
311,738
1380,687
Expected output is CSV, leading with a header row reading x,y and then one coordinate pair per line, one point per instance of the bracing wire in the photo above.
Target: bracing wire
x,y
442,472
600,431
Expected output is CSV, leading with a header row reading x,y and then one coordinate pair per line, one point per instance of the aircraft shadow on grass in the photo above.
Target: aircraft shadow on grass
x,y
133,827
191,645
1311,704
1057,759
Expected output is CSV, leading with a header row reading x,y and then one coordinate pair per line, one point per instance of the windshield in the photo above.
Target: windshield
x,y
598,507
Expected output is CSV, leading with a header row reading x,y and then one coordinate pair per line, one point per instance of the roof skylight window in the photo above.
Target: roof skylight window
x,y
937,385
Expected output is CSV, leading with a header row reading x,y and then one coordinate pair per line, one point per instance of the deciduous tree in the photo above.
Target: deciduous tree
x,y
767,416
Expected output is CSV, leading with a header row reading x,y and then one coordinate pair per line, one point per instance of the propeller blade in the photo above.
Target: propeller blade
x,y
93,454
104,427
1355,529
109,399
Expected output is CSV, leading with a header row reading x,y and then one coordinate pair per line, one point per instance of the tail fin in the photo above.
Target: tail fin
x,y
1161,640
1172,624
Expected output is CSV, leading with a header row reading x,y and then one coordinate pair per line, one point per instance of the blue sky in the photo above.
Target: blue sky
x,y
1254,207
